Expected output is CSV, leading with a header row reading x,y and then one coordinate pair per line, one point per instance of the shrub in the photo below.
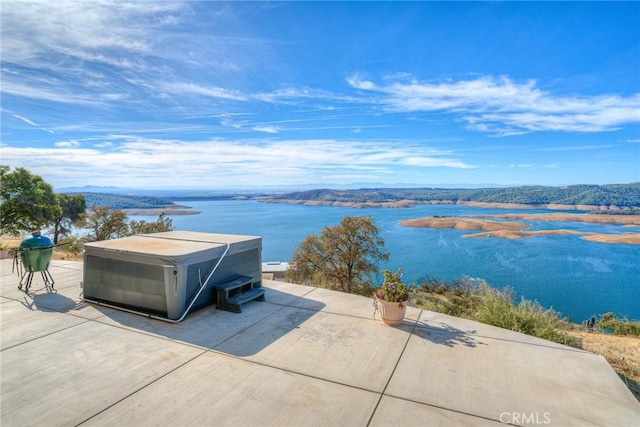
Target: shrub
x,y
477,301
72,244
458,292
496,308
624,326
440,289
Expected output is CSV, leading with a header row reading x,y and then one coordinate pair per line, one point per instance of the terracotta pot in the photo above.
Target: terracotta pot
x,y
391,313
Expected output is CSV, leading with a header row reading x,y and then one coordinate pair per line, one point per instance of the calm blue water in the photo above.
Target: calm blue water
x,y
574,276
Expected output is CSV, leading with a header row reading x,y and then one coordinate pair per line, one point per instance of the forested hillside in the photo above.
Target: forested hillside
x,y
623,195
125,201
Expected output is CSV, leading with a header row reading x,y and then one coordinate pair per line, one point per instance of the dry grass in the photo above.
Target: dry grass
x,y
622,353
59,253
10,241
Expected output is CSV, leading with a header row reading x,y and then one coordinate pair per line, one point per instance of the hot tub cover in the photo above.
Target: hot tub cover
x,y
173,247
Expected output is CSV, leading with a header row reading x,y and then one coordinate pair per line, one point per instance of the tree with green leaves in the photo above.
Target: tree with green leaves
x,y
344,257
143,227
28,203
105,223
73,207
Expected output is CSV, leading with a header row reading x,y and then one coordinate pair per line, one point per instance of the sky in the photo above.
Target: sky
x,y
200,94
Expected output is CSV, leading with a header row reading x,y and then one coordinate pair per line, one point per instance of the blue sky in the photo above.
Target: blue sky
x,y
207,94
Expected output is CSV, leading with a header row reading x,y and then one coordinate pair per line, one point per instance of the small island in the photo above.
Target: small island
x,y
513,230
595,218
463,223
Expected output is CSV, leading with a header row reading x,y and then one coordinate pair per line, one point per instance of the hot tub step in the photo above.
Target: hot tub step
x,y
234,303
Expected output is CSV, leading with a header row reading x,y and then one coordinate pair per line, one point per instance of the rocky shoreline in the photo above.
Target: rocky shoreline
x,y
172,209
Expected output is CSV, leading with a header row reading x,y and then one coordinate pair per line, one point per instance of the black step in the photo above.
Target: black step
x,y
234,303
250,295
234,284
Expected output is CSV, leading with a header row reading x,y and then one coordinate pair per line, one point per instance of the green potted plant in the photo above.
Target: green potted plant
x,y
390,300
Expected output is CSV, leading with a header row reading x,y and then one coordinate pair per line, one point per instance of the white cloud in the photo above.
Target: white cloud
x,y
530,166
226,121
105,144
434,162
576,148
503,107
45,92
114,96
32,123
357,82
26,120
267,129
209,91
67,144
79,29
149,162
286,96
92,53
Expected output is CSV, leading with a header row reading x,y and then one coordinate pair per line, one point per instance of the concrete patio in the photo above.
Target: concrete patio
x,y
304,357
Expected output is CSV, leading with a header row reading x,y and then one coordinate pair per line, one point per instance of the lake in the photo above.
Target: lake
x,y
576,277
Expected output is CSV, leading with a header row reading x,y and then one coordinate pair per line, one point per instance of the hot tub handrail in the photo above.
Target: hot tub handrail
x,y
206,282
164,319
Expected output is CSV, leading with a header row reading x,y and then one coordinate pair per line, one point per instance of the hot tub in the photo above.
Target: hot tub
x,y
161,273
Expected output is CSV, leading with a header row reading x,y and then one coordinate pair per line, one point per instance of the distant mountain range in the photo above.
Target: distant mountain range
x,y
614,195
270,189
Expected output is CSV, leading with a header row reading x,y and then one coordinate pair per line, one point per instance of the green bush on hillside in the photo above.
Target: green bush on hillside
x,y
609,321
528,317
474,299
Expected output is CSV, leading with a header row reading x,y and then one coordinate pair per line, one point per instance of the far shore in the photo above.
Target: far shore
x,y
167,210
356,205
406,203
